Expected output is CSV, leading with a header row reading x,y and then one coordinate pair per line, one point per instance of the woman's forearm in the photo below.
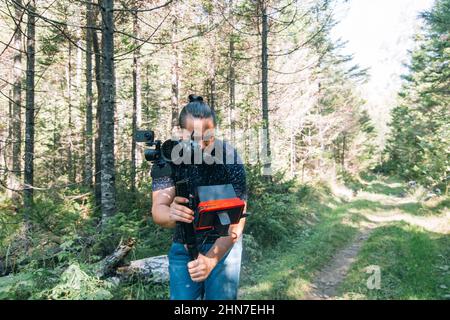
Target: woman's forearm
x,y
219,249
161,216
223,244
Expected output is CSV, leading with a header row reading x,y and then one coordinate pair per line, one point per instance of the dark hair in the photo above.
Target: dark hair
x,y
196,108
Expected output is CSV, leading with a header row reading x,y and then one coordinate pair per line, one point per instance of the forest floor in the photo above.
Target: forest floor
x,y
385,242
373,238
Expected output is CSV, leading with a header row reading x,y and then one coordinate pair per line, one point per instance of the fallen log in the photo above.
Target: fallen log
x,y
109,264
153,269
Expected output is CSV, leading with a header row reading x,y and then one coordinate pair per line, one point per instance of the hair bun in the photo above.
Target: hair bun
x,y
194,98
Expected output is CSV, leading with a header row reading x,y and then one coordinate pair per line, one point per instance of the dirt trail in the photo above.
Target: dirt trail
x,y
327,281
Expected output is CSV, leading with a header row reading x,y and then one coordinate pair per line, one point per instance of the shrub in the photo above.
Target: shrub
x,y
76,284
274,207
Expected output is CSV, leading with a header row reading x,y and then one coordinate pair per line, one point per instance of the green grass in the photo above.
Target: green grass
x,y
140,290
289,266
293,233
414,264
383,188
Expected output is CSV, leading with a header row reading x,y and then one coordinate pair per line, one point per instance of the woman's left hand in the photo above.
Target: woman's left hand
x,y
200,268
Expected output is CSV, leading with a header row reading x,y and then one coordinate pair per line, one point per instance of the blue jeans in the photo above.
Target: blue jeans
x,y
221,284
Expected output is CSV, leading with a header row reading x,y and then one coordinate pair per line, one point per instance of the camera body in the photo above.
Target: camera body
x,y
148,137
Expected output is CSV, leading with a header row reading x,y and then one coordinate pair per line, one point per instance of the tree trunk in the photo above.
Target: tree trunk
x,y
88,133
267,170
247,139
293,152
320,125
29,117
6,137
107,265
70,122
212,89
211,81
175,93
17,104
56,149
98,119
150,270
343,152
136,152
79,124
232,84
108,174
148,118
175,70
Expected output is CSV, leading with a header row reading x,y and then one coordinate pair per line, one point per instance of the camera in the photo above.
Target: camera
x,y
215,207
148,137
171,151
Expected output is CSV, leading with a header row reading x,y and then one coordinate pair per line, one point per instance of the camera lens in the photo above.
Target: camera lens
x,y
151,155
166,149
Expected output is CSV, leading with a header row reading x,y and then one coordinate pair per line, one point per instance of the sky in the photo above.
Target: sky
x,y
379,34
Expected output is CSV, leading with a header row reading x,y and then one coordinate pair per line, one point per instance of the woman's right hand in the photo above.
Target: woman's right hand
x,y
179,212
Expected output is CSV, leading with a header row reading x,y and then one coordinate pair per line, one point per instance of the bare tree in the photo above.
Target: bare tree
x,y
16,102
108,174
232,90
70,164
136,153
98,118
29,114
89,117
175,70
264,88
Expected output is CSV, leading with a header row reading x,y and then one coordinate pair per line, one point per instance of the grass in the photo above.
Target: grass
x,y
414,264
292,235
141,290
289,267
383,188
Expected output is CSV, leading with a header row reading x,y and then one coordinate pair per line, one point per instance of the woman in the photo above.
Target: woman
x,y
215,273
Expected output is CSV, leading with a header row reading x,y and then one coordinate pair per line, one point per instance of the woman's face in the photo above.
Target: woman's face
x,y
200,130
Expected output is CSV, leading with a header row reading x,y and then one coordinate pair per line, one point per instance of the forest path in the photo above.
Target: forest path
x,y
326,283
392,205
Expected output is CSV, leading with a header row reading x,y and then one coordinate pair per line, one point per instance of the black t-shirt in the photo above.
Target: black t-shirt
x,y
227,169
